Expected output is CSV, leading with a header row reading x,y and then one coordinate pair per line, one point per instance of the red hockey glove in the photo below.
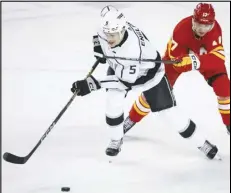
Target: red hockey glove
x,y
187,63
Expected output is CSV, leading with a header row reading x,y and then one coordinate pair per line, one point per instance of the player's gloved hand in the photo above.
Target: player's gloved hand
x,y
187,63
84,87
98,52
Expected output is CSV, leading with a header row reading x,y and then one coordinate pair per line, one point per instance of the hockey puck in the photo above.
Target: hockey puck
x,y
65,189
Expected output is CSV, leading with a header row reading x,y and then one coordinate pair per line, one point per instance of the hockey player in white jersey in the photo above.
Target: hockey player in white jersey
x,y
119,38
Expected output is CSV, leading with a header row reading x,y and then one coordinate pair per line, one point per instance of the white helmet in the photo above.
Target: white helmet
x,y
112,20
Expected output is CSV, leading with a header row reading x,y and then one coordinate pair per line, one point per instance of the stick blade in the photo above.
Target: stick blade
x,y
14,159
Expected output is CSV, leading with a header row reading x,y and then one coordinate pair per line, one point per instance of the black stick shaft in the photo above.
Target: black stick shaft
x,y
142,60
21,160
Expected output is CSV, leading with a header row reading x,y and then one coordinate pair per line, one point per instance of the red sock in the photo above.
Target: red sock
x,y
221,87
139,109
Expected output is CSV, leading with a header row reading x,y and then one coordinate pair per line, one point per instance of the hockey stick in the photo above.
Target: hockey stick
x,y
22,160
142,60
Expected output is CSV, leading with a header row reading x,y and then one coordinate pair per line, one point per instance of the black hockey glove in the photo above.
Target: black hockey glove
x,y
84,87
98,50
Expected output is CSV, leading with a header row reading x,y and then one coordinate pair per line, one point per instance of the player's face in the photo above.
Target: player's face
x,y
113,39
201,29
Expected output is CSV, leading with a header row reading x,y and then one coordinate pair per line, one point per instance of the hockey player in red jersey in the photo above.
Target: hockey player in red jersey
x,y
197,41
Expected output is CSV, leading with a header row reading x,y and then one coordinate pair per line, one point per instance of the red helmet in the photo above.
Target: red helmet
x,y
204,13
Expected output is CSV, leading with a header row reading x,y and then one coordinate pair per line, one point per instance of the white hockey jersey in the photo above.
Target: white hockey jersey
x,y
131,74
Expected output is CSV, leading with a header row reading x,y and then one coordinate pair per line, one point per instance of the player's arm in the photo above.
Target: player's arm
x,y
98,49
177,49
215,58
212,61
90,84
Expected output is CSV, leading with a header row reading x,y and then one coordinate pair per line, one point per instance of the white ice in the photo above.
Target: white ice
x,y
47,46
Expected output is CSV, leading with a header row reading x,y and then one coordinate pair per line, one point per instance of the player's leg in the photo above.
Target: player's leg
x,y
221,87
138,111
161,99
140,108
115,119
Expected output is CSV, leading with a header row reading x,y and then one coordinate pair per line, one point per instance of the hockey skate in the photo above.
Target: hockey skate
x,y
114,147
209,150
128,124
228,129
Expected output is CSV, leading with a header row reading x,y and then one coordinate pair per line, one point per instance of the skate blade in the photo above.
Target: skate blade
x,y
111,159
217,157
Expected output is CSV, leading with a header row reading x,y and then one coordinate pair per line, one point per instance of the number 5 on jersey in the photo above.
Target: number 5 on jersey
x,y
132,69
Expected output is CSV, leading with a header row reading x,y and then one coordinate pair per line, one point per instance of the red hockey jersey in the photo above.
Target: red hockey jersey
x,y
209,48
